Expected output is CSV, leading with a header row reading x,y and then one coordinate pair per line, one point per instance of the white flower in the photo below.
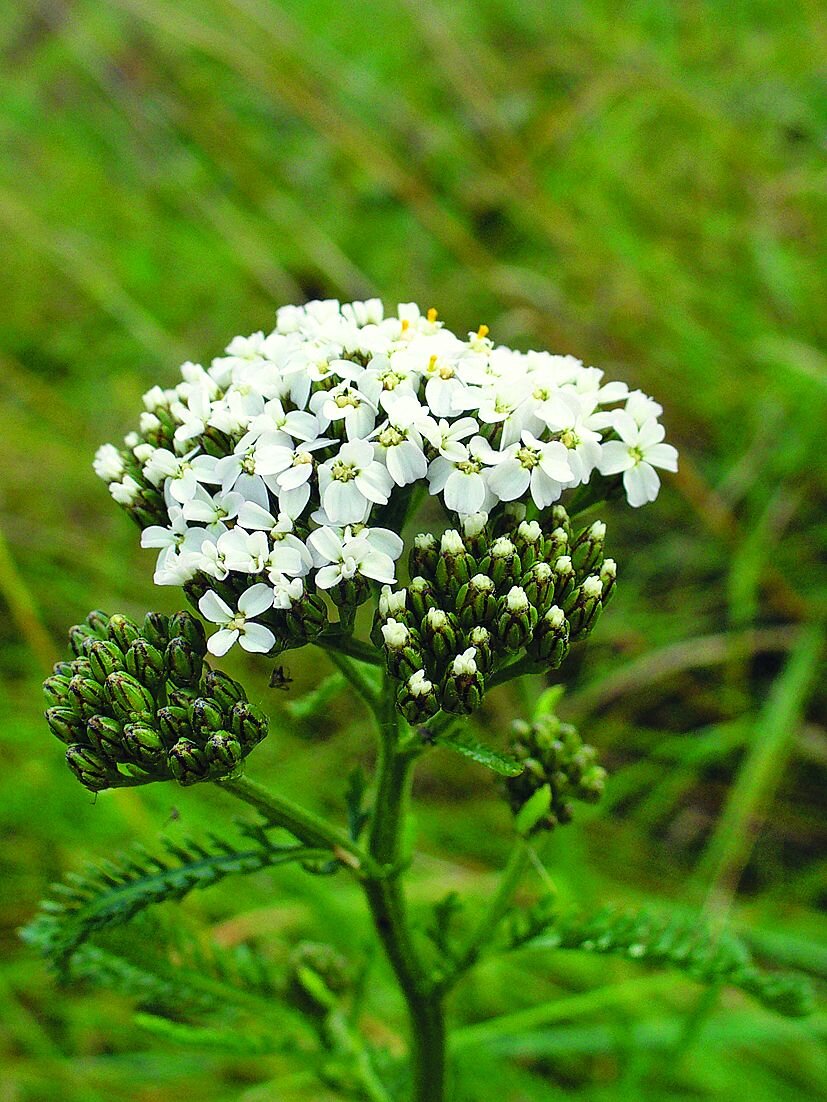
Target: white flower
x,y
286,591
464,665
447,436
636,454
399,442
181,475
108,463
462,481
345,403
339,557
238,626
252,516
544,468
125,492
212,510
352,482
251,553
287,471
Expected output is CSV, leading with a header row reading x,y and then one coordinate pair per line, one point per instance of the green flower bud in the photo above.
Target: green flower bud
x,y
464,685
188,762
475,534
538,584
439,636
421,598
585,609
516,620
183,662
56,688
205,717
250,724
477,602
418,699
191,630
104,658
146,664
587,550
173,723
392,605
608,576
65,724
529,541
402,652
223,750
128,696
503,563
307,617
89,768
424,556
480,639
156,629
122,631
224,691
98,621
350,592
550,643
62,669
80,667
454,565
180,696
145,747
80,637
564,580
106,735
555,545
560,519
87,696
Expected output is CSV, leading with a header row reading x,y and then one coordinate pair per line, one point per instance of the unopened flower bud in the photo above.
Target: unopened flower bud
x,y
144,746
560,519
392,605
188,762
250,724
98,621
550,643
156,629
555,545
183,662
65,724
515,622
128,696
421,598
122,631
417,699
502,564
452,568
223,750
173,723
87,696
90,769
587,550
106,735
187,627
608,576
439,635
105,658
81,637
464,685
480,639
424,555
564,580
223,689
475,533
205,717
146,664
538,584
585,609
528,539
476,602
306,618
55,688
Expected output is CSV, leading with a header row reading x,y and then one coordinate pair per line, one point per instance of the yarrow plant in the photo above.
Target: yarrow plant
x,y
277,487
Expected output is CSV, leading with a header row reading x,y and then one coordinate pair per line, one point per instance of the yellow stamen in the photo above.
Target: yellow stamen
x,y
433,314
483,331
405,324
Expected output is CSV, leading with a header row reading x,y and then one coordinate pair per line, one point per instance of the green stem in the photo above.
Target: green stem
x,y
305,825
492,915
387,905
361,680
353,648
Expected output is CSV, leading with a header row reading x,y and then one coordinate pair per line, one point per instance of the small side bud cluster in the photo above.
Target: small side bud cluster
x,y
555,758
480,599
136,704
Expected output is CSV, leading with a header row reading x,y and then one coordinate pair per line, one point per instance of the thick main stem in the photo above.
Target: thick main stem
x,y
387,904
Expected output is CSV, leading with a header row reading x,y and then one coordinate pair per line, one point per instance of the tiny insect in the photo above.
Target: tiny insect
x,y
280,679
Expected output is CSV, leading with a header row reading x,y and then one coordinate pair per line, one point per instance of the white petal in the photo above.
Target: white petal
x,y
615,457
328,576
378,566
508,480
325,546
256,599
221,642
464,493
406,463
344,503
642,484
256,638
651,433
663,455
214,609
382,539
251,515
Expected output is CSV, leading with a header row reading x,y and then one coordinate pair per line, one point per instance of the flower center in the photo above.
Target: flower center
x,y
301,458
469,466
345,400
343,472
570,439
391,437
528,458
237,623
636,454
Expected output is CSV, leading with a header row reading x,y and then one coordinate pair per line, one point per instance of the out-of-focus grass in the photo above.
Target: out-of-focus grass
x,y
641,185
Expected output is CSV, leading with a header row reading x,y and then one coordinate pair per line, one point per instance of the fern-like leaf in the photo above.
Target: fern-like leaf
x,y
465,744
686,944
112,892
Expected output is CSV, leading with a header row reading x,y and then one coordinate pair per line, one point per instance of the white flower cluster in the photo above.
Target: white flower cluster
x,y
272,462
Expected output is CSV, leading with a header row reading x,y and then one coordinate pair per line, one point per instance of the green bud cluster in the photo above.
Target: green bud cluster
x,y
480,600
555,758
136,704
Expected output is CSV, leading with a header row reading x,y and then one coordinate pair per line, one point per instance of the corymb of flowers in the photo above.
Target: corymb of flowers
x,y
275,485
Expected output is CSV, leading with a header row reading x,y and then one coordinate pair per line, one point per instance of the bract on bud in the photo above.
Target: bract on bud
x,y
156,629
146,663
476,602
608,576
183,662
105,658
424,555
87,696
515,621
90,768
128,696
587,550
417,698
65,724
106,735
144,746
421,598
191,630
250,724
464,685
188,763
205,717
173,723
223,749
122,631
550,643
439,636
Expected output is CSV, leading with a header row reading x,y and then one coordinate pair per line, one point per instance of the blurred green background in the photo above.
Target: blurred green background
x,y
642,185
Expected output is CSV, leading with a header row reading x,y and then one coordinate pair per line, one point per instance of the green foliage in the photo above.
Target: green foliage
x,y
687,944
464,743
111,893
